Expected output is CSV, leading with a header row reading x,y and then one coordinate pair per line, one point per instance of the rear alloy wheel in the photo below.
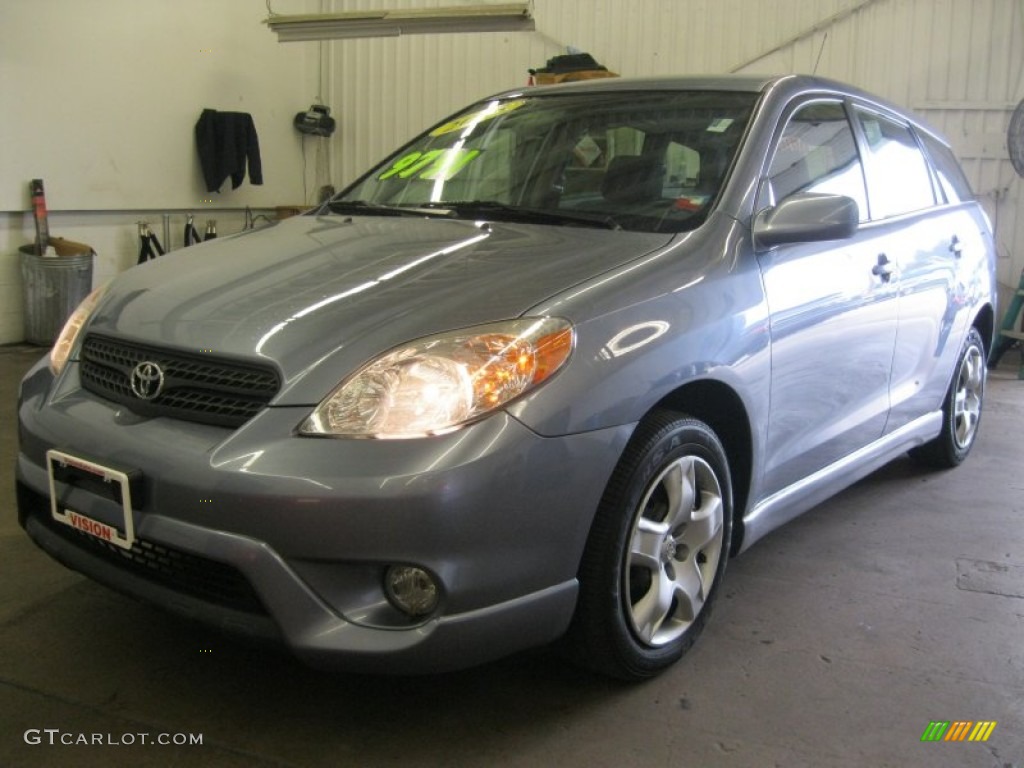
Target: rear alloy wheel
x,y
961,412
657,550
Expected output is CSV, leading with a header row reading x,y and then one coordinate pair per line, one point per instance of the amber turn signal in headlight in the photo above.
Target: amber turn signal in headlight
x,y
436,384
61,351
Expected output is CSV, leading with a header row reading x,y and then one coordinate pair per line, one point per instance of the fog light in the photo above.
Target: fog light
x,y
411,590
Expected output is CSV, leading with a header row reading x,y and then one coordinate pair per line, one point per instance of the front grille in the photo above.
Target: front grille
x,y
208,580
196,387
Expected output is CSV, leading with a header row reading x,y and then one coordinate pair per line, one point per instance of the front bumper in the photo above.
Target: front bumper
x,y
266,533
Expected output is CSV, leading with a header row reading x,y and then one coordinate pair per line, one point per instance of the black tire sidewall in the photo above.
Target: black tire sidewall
x,y
956,452
943,452
658,442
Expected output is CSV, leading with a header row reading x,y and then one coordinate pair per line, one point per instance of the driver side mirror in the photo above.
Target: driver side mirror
x,y
806,218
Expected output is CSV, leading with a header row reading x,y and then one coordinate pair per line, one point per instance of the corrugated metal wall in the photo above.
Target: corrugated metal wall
x,y
958,63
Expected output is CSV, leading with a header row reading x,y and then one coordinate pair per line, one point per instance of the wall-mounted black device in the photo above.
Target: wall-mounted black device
x,y
316,121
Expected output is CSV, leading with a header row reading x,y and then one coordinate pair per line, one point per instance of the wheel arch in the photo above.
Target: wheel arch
x,y
721,408
985,322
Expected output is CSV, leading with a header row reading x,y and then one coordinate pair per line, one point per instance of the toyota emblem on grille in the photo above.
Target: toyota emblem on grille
x,y
147,380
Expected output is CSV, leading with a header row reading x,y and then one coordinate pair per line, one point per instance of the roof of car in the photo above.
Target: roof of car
x,y
751,83
792,83
784,85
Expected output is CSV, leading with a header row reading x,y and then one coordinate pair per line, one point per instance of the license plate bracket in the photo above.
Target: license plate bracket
x,y
62,466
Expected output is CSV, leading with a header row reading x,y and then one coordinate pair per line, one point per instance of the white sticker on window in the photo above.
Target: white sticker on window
x,y
720,125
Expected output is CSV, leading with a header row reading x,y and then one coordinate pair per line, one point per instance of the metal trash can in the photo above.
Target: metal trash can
x,y
53,287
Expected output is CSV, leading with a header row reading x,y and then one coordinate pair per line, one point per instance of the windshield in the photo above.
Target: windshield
x,y
651,162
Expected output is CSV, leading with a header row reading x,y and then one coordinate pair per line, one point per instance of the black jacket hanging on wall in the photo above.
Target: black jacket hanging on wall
x,y
226,142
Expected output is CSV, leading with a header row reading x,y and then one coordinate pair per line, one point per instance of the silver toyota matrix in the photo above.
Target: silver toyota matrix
x,y
534,377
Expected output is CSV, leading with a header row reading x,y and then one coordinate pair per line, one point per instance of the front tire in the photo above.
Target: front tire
x,y
657,550
961,412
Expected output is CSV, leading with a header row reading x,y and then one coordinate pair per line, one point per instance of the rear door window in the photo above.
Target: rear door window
x,y
898,177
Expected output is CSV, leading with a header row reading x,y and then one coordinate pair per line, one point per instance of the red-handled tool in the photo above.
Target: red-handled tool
x,y
39,211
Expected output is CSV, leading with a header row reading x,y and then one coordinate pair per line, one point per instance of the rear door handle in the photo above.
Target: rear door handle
x,y
955,247
883,268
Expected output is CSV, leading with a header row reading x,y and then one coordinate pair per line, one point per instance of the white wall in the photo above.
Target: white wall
x,y
100,100
957,63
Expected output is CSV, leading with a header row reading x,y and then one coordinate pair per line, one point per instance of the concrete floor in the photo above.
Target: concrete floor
x,y
837,640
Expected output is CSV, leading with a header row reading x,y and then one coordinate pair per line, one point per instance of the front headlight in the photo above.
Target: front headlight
x,y
435,385
69,333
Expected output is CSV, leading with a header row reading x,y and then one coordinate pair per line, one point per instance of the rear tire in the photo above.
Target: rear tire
x,y
961,413
657,550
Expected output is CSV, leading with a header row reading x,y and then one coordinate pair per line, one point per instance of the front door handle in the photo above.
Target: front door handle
x,y
883,268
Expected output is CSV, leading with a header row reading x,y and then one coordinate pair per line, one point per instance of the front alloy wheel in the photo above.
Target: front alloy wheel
x,y
657,550
675,546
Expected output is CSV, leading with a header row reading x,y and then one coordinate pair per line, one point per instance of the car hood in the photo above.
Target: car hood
x,y
318,296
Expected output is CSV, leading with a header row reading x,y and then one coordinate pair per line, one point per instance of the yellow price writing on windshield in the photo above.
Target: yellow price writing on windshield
x,y
489,112
433,165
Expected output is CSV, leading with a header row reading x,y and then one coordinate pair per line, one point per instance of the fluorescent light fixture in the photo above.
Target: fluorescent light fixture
x,y
499,17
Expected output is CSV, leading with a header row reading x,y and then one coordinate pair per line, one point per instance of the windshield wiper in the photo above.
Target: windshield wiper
x,y
485,208
506,212
376,209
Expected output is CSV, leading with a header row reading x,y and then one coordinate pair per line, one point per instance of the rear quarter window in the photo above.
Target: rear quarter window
x,y
952,181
